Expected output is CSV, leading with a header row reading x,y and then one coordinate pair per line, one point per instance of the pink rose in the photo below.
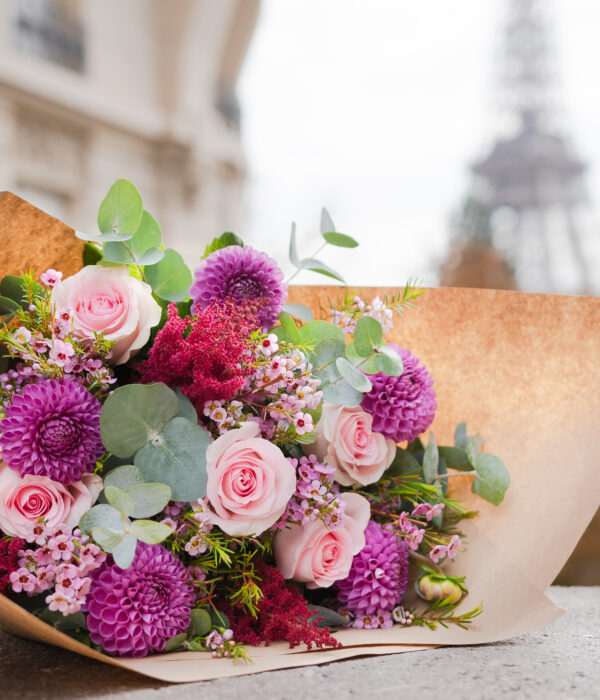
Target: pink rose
x,y
109,300
347,442
24,500
318,556
249,481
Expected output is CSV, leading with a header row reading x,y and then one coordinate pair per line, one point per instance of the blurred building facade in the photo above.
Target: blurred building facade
x,y
95,90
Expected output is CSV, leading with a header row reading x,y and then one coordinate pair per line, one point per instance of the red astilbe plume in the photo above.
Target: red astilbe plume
x,y
282,615
9,561
204,355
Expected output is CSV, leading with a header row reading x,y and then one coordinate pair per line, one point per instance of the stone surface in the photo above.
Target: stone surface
x,y
558,661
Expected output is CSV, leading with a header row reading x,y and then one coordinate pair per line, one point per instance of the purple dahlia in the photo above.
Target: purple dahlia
x,y
240,274
134,611
378,577
402,407
52,429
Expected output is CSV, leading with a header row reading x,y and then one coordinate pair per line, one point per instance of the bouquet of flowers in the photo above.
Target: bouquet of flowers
x,y
190,463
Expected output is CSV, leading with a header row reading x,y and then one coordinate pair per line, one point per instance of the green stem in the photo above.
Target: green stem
x,y
301,268
415,556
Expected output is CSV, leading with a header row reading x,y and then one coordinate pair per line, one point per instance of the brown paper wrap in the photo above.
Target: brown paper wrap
x,y
521,369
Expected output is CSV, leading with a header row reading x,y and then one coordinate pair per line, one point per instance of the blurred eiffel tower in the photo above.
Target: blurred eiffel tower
x,y
526,222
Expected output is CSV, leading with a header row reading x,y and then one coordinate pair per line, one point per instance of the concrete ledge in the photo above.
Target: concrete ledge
x,y
560,661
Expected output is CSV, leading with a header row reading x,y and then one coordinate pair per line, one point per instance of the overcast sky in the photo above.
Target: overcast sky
x,y
374,108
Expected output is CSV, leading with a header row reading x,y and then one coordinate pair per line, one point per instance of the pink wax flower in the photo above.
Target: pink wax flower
x,y
109,300
249,481
314,554
347,442
51,277
25,500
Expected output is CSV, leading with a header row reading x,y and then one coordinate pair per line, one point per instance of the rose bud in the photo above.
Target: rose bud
x,y
434,586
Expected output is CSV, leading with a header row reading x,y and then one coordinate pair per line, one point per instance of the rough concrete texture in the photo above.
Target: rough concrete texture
x,y
559,661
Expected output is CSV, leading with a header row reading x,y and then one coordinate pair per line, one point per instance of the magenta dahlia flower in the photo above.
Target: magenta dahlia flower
x,y
242,274
378,577
52,429
402,407
134,611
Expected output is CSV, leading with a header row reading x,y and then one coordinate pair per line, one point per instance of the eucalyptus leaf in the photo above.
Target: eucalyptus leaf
x,y
327,224
404,464
124,477
225,240
91,254
12,287
368,335
323,359
342,394
8,306
186,407
177,458
366,364
492,478
124,552
299,311
341,240
148,499
293,251
330,618
431,461
121,210
315,331
119,499
218,618
134,414
170,278
200,623
176,642
317,266
292,334
149,531
353,376
473,448
101,515
456,458
460,436
388,361
142,249
107,538
103,237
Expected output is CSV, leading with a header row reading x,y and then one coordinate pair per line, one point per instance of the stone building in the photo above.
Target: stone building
x,y
95,90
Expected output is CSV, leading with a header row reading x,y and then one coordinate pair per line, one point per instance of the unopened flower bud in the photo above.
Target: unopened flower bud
x,y
439,587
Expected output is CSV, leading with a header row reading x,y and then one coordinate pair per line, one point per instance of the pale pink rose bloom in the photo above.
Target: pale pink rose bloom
x,y
250,481
347,442
314,554
25,499
109,300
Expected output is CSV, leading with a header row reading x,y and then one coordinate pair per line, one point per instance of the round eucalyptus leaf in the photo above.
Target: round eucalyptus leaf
x,y
177,458
121,210
388,361
353,375
315,331
101,515
119,499
341,240
366,364
200,623
170,278
149,531
186,407
134,414
368,335
342,394
124,477
492,478
107,538
124,552
148,499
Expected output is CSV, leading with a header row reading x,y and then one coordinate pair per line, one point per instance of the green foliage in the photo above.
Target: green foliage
x,y
329,618
431,461
149,498
200,623
404,464
353,376
121,210
315,331
170,278
299,311
119,499
367,364
143,248
455,458
135,414
368,336
290,330
341,240
186,408
92,255
225,240
176,642
388,361
492,478
124,477
177,457
149,531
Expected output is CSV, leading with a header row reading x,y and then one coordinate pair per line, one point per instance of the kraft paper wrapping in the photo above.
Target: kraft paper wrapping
x,y
521,369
